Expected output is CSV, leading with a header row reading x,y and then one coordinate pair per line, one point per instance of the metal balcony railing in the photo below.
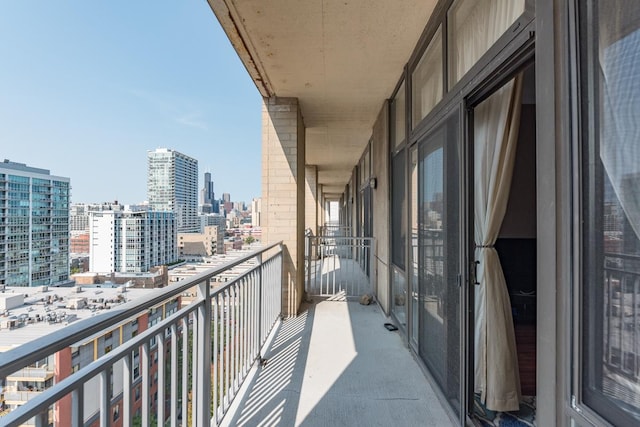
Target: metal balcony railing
x,y
339,265
204,352
622,314
334,230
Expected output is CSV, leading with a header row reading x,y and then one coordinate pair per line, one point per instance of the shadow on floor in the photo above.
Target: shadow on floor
x,y
336,365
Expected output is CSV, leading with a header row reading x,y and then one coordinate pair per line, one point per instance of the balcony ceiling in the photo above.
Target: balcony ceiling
x,y
340,58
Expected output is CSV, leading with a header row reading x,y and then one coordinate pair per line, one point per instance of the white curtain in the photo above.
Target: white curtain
x,y
474,27
496,124
620,139
427,79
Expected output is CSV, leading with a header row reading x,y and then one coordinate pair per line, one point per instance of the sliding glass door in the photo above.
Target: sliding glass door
x,y
438,253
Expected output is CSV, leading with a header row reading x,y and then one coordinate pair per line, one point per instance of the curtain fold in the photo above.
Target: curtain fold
x,y
619,146
475,25
496,125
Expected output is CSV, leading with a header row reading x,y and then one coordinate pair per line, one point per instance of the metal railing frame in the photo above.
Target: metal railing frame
x,y
324,251
244,311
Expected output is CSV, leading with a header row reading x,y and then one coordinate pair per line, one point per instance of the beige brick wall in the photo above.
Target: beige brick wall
x,y
311,198
380,202
283,191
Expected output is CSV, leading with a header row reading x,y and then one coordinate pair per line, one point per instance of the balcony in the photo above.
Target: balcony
x,y
230,360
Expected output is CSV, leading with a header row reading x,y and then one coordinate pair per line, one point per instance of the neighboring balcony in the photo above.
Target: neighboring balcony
x,y
228,358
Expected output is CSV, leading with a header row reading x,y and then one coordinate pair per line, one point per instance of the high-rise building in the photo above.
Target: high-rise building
x,y
172,185
127,241
207,197
34,226
256,212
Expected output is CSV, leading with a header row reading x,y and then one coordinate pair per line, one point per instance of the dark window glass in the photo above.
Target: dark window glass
x,y
610,79
398,211
438,258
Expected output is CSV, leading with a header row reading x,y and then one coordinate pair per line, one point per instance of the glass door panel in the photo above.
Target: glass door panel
x,y
413,239
438,258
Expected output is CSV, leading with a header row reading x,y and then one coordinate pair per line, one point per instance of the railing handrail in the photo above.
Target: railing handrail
x,y
32,351
68,384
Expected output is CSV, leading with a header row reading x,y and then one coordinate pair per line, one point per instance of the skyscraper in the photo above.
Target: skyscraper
x,y
34,226
207,196
172,185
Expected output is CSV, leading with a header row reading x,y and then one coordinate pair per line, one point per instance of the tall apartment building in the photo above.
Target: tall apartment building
x,y
207,196
131,241
34,226
172,185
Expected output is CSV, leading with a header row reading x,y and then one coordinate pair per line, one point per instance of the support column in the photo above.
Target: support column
x,y
311,198
283,192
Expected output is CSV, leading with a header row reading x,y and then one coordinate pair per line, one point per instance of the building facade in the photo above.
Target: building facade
x,y
34,226
172,185
196,246
131,242
491,148
220,223
256,212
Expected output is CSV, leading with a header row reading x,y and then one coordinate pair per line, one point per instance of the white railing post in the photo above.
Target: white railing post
x,y
260,275
77,407
202,374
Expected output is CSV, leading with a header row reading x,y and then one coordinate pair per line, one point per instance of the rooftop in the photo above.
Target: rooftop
x,y
47,311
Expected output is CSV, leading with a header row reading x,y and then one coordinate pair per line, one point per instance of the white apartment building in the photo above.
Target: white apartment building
x,y
131,241
172,185
34,226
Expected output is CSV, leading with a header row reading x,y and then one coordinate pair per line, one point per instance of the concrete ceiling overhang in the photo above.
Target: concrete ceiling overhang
x,y
341,59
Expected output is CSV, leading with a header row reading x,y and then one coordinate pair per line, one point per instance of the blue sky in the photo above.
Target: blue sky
x,y
87,87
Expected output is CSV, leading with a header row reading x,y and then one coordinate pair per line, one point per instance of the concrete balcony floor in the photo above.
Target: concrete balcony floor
x,y
336,365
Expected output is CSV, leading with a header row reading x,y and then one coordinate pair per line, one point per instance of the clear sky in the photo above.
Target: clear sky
x,y
87,87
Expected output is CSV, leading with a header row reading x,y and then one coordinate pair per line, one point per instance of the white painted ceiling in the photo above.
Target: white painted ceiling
x,y
340,58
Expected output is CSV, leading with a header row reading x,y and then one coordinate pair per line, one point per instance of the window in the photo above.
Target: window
x,y
398,118
426,80
610,249
137,393
398,211
474,26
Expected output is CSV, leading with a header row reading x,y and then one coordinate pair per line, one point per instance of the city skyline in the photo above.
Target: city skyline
x,y
89,98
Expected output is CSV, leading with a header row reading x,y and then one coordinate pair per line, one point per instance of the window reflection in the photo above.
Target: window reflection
x,y
612,210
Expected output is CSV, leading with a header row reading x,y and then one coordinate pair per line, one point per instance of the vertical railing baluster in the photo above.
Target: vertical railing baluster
x,y
146,387
202,370
232,343
42,419
227,358
216,356
127,415
77,406
195,394
161,380
185,368
104,398
174,375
